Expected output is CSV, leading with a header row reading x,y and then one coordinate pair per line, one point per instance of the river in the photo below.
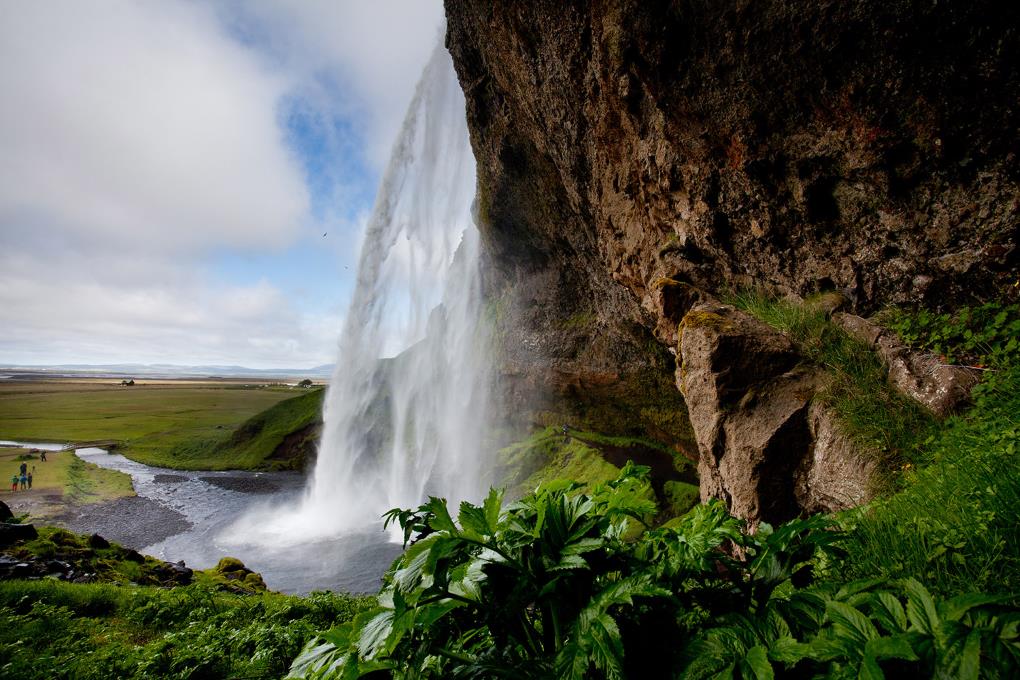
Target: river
x,y
198,511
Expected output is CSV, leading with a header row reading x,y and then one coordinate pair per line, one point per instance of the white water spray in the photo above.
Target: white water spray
x,y
402,428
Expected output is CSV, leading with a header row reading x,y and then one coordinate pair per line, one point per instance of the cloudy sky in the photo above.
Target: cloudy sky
x,y
168,169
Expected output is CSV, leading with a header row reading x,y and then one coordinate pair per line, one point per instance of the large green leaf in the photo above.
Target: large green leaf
x,y
788,650
376,632
850,622
491,507
473,521
870,670
954,609
758,661
921,608
413,564
441,520
888,611
896,647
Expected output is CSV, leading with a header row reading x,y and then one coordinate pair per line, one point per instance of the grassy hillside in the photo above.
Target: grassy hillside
x,y
281,437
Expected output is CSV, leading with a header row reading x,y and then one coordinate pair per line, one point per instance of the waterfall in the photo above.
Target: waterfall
x,y
398,429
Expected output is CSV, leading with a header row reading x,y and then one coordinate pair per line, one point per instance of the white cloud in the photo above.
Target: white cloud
x,y
78,312
140,138
374,51
141,124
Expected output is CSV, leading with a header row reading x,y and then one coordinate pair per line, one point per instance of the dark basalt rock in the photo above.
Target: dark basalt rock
x,y
12,533
97,542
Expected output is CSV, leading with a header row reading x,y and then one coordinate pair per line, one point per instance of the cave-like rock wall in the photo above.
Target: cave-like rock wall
x,y
631,153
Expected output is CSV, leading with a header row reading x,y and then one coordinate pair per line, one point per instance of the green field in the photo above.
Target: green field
x,y
180,424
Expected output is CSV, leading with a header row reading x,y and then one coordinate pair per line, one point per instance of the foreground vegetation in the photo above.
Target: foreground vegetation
x,y
178,425
50,629
548,587
924,582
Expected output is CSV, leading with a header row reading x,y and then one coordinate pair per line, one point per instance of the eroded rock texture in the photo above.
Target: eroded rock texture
x,y
634,153
766,446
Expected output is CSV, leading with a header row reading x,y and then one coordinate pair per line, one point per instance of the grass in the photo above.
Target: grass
x,y
51,629
171,425
954,525
252,444
62,477
547,455
886,423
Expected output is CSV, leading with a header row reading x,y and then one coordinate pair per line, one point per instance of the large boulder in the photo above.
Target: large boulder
x,y
5,512
765,446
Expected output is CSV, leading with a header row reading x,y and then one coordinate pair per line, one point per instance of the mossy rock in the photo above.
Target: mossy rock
x,y
703,318
229,564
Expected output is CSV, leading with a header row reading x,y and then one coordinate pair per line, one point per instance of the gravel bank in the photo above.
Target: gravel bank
x,y
134,522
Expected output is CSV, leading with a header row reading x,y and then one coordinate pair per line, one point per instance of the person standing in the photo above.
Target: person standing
x,y
24,481
30,480
14,483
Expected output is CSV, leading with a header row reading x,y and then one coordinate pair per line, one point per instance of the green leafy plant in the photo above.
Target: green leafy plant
x,y
986,334
549,587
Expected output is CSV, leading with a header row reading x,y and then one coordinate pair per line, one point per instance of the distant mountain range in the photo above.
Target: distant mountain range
x,y
170,370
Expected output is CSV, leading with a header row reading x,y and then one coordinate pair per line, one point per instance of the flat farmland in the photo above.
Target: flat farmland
x,y
147,421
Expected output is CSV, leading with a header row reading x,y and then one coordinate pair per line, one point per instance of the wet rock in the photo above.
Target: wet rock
x,y
97,542
57,567
173,573
13,533
134,556
22,570
796,147
942,388
764,446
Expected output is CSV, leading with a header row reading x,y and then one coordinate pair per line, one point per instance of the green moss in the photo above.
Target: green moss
x,y
680,497
578,321
704,318
227,564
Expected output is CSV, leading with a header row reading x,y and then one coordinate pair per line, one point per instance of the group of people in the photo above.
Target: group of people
x,y
23,477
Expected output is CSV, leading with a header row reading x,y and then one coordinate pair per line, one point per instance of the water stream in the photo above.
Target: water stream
x,y
209,502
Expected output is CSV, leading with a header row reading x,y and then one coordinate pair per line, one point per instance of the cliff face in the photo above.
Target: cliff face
x,y
632,153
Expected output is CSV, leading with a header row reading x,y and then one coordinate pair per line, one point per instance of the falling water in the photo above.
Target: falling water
x,y
401,428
